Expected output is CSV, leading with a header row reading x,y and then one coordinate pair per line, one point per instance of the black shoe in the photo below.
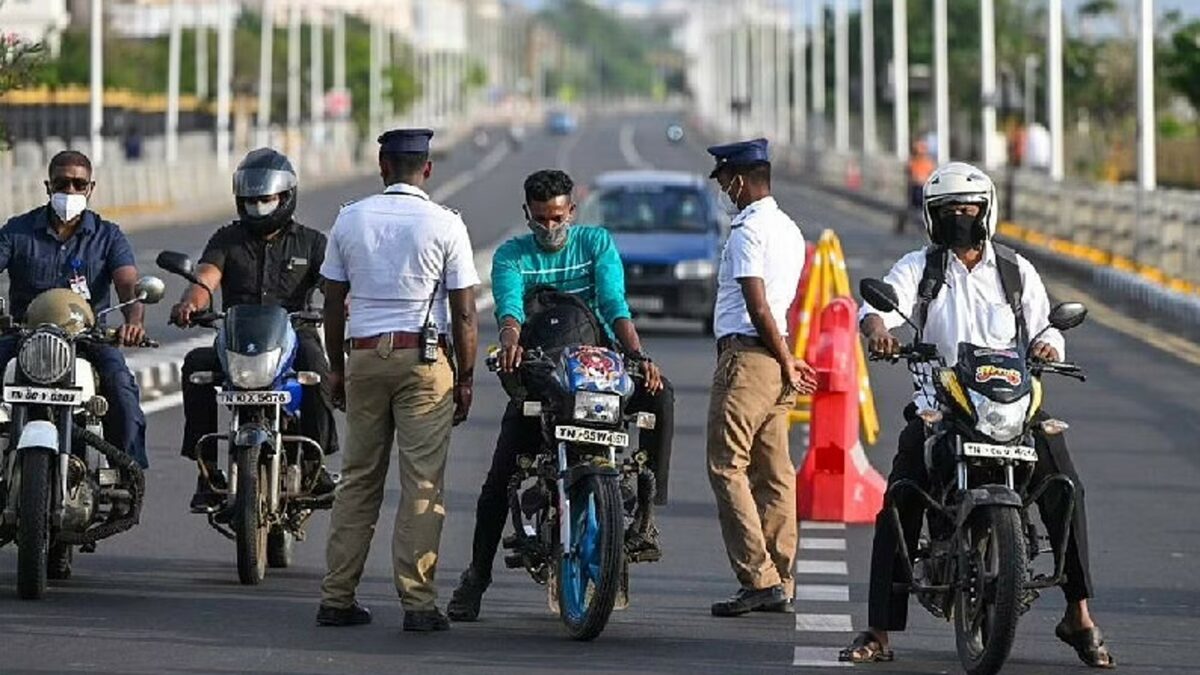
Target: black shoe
x,y
325,483
206,500
425,621
746,601
354,615
785,606
464,603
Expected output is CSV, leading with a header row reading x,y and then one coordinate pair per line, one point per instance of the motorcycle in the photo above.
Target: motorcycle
x,y
975,563
575,500
272,469
62,485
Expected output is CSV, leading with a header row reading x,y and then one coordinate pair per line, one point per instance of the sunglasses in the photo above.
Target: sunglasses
x,y
62,183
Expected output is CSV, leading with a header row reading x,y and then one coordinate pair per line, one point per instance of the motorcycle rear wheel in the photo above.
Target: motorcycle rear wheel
x,y
248,521
985,629
589,574
33,533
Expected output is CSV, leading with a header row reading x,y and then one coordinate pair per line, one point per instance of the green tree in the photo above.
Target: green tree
x,y
19,62
1181,62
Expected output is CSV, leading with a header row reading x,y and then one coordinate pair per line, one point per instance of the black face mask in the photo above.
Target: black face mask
x,y
959,230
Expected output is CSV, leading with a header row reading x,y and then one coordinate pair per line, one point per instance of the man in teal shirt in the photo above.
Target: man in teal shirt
x,y
584,262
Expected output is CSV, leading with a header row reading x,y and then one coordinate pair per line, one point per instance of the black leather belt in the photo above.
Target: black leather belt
x,y
737,339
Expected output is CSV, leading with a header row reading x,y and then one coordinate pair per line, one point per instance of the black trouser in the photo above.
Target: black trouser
x,y
522,435
887,608
200,405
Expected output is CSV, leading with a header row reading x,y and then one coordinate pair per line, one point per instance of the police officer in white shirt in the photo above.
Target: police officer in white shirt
x,y
755,384
967,288
407,266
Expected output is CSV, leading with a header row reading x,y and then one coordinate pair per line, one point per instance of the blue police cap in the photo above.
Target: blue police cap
x,y
415,141
742,153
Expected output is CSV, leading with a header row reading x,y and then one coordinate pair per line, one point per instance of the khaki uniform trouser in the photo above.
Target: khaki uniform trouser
x,y
750,469
391,394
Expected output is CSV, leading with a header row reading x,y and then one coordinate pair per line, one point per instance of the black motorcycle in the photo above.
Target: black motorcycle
x,y
974,564
575,500
62,486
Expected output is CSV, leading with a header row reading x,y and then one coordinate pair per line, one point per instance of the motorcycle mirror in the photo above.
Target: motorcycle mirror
x,y
1068,315
879,294
150,289
176,263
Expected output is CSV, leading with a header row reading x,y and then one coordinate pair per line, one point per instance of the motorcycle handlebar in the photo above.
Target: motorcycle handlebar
x,y
917,352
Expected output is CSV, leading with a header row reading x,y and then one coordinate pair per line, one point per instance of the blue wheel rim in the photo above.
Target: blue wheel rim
x,y
581,560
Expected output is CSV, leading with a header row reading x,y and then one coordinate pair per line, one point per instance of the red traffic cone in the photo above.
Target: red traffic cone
x,y
837,482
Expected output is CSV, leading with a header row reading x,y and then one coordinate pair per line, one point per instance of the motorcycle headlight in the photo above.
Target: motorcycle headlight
x,y
595,407
45,357
695,269
253,371
1000,421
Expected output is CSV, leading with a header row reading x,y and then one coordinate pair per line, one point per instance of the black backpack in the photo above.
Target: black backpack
x,y
554,319
934,277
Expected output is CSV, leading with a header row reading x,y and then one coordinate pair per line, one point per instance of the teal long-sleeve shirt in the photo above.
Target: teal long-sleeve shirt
x,y
588,266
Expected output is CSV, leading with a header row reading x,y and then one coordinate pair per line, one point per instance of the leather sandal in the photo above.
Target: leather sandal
x,y
866,648
1088,644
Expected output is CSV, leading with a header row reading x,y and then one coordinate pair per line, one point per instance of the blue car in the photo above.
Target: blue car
x,y
668,228
561,123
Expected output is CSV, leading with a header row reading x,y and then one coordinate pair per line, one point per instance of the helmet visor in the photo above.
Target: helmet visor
x,y
256,182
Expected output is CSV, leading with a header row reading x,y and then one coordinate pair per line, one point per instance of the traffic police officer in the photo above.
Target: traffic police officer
x,y
755,383
399,257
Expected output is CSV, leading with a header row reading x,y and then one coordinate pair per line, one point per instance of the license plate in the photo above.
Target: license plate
x,y
1020,453
643,303
592,436
254,397
42,395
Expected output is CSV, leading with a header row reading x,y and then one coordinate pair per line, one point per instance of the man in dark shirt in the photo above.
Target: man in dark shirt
x,y
65,245
263,258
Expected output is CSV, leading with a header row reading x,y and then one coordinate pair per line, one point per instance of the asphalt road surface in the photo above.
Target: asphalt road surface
x,y
164,597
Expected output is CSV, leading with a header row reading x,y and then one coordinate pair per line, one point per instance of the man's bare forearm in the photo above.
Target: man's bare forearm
x,y
627,335
465,329
335,325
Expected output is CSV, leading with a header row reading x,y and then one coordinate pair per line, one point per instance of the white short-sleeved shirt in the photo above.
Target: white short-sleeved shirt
x,y
970,307
393,249
765,243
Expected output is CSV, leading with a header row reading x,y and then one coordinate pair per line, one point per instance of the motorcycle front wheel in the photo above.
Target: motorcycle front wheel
x,y
589,574
249,519
33,533
986,610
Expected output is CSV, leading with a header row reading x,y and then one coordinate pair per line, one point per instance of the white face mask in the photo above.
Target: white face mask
x,y
728,202
68,206
261,209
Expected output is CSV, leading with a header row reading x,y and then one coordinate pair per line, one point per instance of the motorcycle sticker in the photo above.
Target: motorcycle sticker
x,y
989,372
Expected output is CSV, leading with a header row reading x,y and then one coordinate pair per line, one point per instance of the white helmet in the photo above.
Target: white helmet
x,y
960,183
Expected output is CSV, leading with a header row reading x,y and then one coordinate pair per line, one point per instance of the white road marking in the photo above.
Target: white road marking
x,y
822,593
817,657
816,544
831,567
823,623
452,186
562,161
814,525
629,151
165,403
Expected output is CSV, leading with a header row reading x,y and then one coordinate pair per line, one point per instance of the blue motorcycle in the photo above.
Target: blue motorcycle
x,y
268,497
575,497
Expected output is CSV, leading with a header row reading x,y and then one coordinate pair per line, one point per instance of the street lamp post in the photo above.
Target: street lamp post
x,y
1147,173
868,75
224,79
173,60
818,80
900,76
941,81
265,52
96,117
1054,71
316,75
800,73
293,56
841,51
987,61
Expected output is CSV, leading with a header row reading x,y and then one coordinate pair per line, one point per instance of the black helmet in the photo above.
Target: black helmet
x,y
262,173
